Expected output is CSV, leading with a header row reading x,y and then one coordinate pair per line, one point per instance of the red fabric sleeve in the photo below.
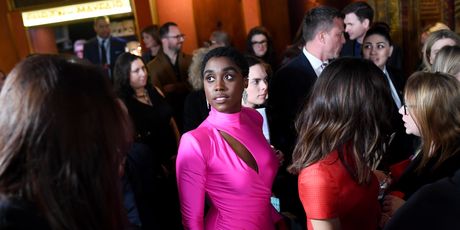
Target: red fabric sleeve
x,y
318,192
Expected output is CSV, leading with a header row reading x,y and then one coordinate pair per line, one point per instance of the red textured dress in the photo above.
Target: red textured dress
x,y
327,191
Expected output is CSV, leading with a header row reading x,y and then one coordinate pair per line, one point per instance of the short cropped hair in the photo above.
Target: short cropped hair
x,y
228,52
361,9
317,19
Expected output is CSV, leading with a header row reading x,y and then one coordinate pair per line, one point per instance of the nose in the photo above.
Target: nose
x,y
143,72
264,85
219,86
401,110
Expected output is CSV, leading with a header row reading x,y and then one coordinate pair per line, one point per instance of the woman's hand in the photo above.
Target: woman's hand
x,y
281,225
279,154
391,204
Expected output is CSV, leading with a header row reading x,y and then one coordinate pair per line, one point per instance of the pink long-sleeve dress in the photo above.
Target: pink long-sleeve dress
x,y
207,166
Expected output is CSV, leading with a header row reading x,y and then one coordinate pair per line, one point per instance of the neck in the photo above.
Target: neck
x,y
154,50
139,91
315,50
361,39
248,105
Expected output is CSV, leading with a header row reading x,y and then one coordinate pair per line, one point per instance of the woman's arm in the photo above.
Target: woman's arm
x,y
327,224
191,178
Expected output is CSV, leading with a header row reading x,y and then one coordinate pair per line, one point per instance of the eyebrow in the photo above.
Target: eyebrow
x,y
226,69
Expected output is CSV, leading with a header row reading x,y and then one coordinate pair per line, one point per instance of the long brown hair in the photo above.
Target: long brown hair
x,y
348,111
63,137
433,100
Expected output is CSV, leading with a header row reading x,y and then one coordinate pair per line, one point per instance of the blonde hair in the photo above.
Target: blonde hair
x,y
433,38
447,60
194,74
434,103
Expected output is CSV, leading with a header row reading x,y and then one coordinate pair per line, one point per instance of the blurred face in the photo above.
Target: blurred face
x,y
259,44
333,40
439,44
409,120
355,28
138,75
223,84
78,50
257,86
377,49
148,40
102,28
174,40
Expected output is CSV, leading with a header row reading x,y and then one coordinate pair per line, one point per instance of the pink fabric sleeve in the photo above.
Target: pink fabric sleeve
x,y
191,178
318,193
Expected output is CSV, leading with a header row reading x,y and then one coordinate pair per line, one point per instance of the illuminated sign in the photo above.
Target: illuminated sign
x,y
75,12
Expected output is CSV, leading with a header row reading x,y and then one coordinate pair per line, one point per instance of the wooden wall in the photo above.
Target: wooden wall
x,y
13,39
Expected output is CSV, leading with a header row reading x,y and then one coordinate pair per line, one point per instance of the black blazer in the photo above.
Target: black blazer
x,y
288,92
348,49
91,50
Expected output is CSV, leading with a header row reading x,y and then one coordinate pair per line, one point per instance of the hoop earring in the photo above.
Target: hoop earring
x,y
245,96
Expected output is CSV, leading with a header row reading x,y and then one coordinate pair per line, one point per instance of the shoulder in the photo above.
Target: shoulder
x,y
297,67
440,201
252,115
118,41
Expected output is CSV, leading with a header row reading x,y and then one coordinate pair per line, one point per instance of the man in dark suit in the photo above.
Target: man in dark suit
x,y
358,19
289,89
103,49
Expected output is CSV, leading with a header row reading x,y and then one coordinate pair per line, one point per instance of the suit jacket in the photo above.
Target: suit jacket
x,y
348,49
402,145
91,51
288,92
175,88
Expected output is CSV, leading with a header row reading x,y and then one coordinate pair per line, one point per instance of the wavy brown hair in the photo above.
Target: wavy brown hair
x,y
348,111
62,141
433,100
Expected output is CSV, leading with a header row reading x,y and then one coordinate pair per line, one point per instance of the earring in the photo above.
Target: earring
x,y
208,105
245,96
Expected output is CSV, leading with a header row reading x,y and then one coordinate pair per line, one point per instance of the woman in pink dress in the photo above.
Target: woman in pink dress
x,y
226,160
342,131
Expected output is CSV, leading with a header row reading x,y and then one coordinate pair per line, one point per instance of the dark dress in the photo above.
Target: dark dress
x,y
195,110
152,125
411,181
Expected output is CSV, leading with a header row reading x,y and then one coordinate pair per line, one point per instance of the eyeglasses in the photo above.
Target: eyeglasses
x,y
263,42
179,36
405,108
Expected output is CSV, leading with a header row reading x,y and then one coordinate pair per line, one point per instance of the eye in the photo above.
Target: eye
x,y
209,78
255,81
367,46
381,46
228,77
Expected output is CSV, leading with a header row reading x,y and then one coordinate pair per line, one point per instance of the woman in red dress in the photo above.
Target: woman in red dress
x,y
342,131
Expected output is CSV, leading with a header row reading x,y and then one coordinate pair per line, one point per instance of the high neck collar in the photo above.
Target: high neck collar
x,y
224,119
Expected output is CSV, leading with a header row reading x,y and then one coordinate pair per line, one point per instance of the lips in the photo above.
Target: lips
x,y
220,98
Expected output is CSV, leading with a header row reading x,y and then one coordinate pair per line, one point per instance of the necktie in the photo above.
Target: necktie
x,y
103,53
394,94
324,65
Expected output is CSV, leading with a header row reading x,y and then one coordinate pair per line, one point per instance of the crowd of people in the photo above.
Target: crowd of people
x,y
330,136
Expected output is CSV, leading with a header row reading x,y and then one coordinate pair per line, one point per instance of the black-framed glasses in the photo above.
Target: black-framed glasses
x,y
406,110
263,42
179,36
